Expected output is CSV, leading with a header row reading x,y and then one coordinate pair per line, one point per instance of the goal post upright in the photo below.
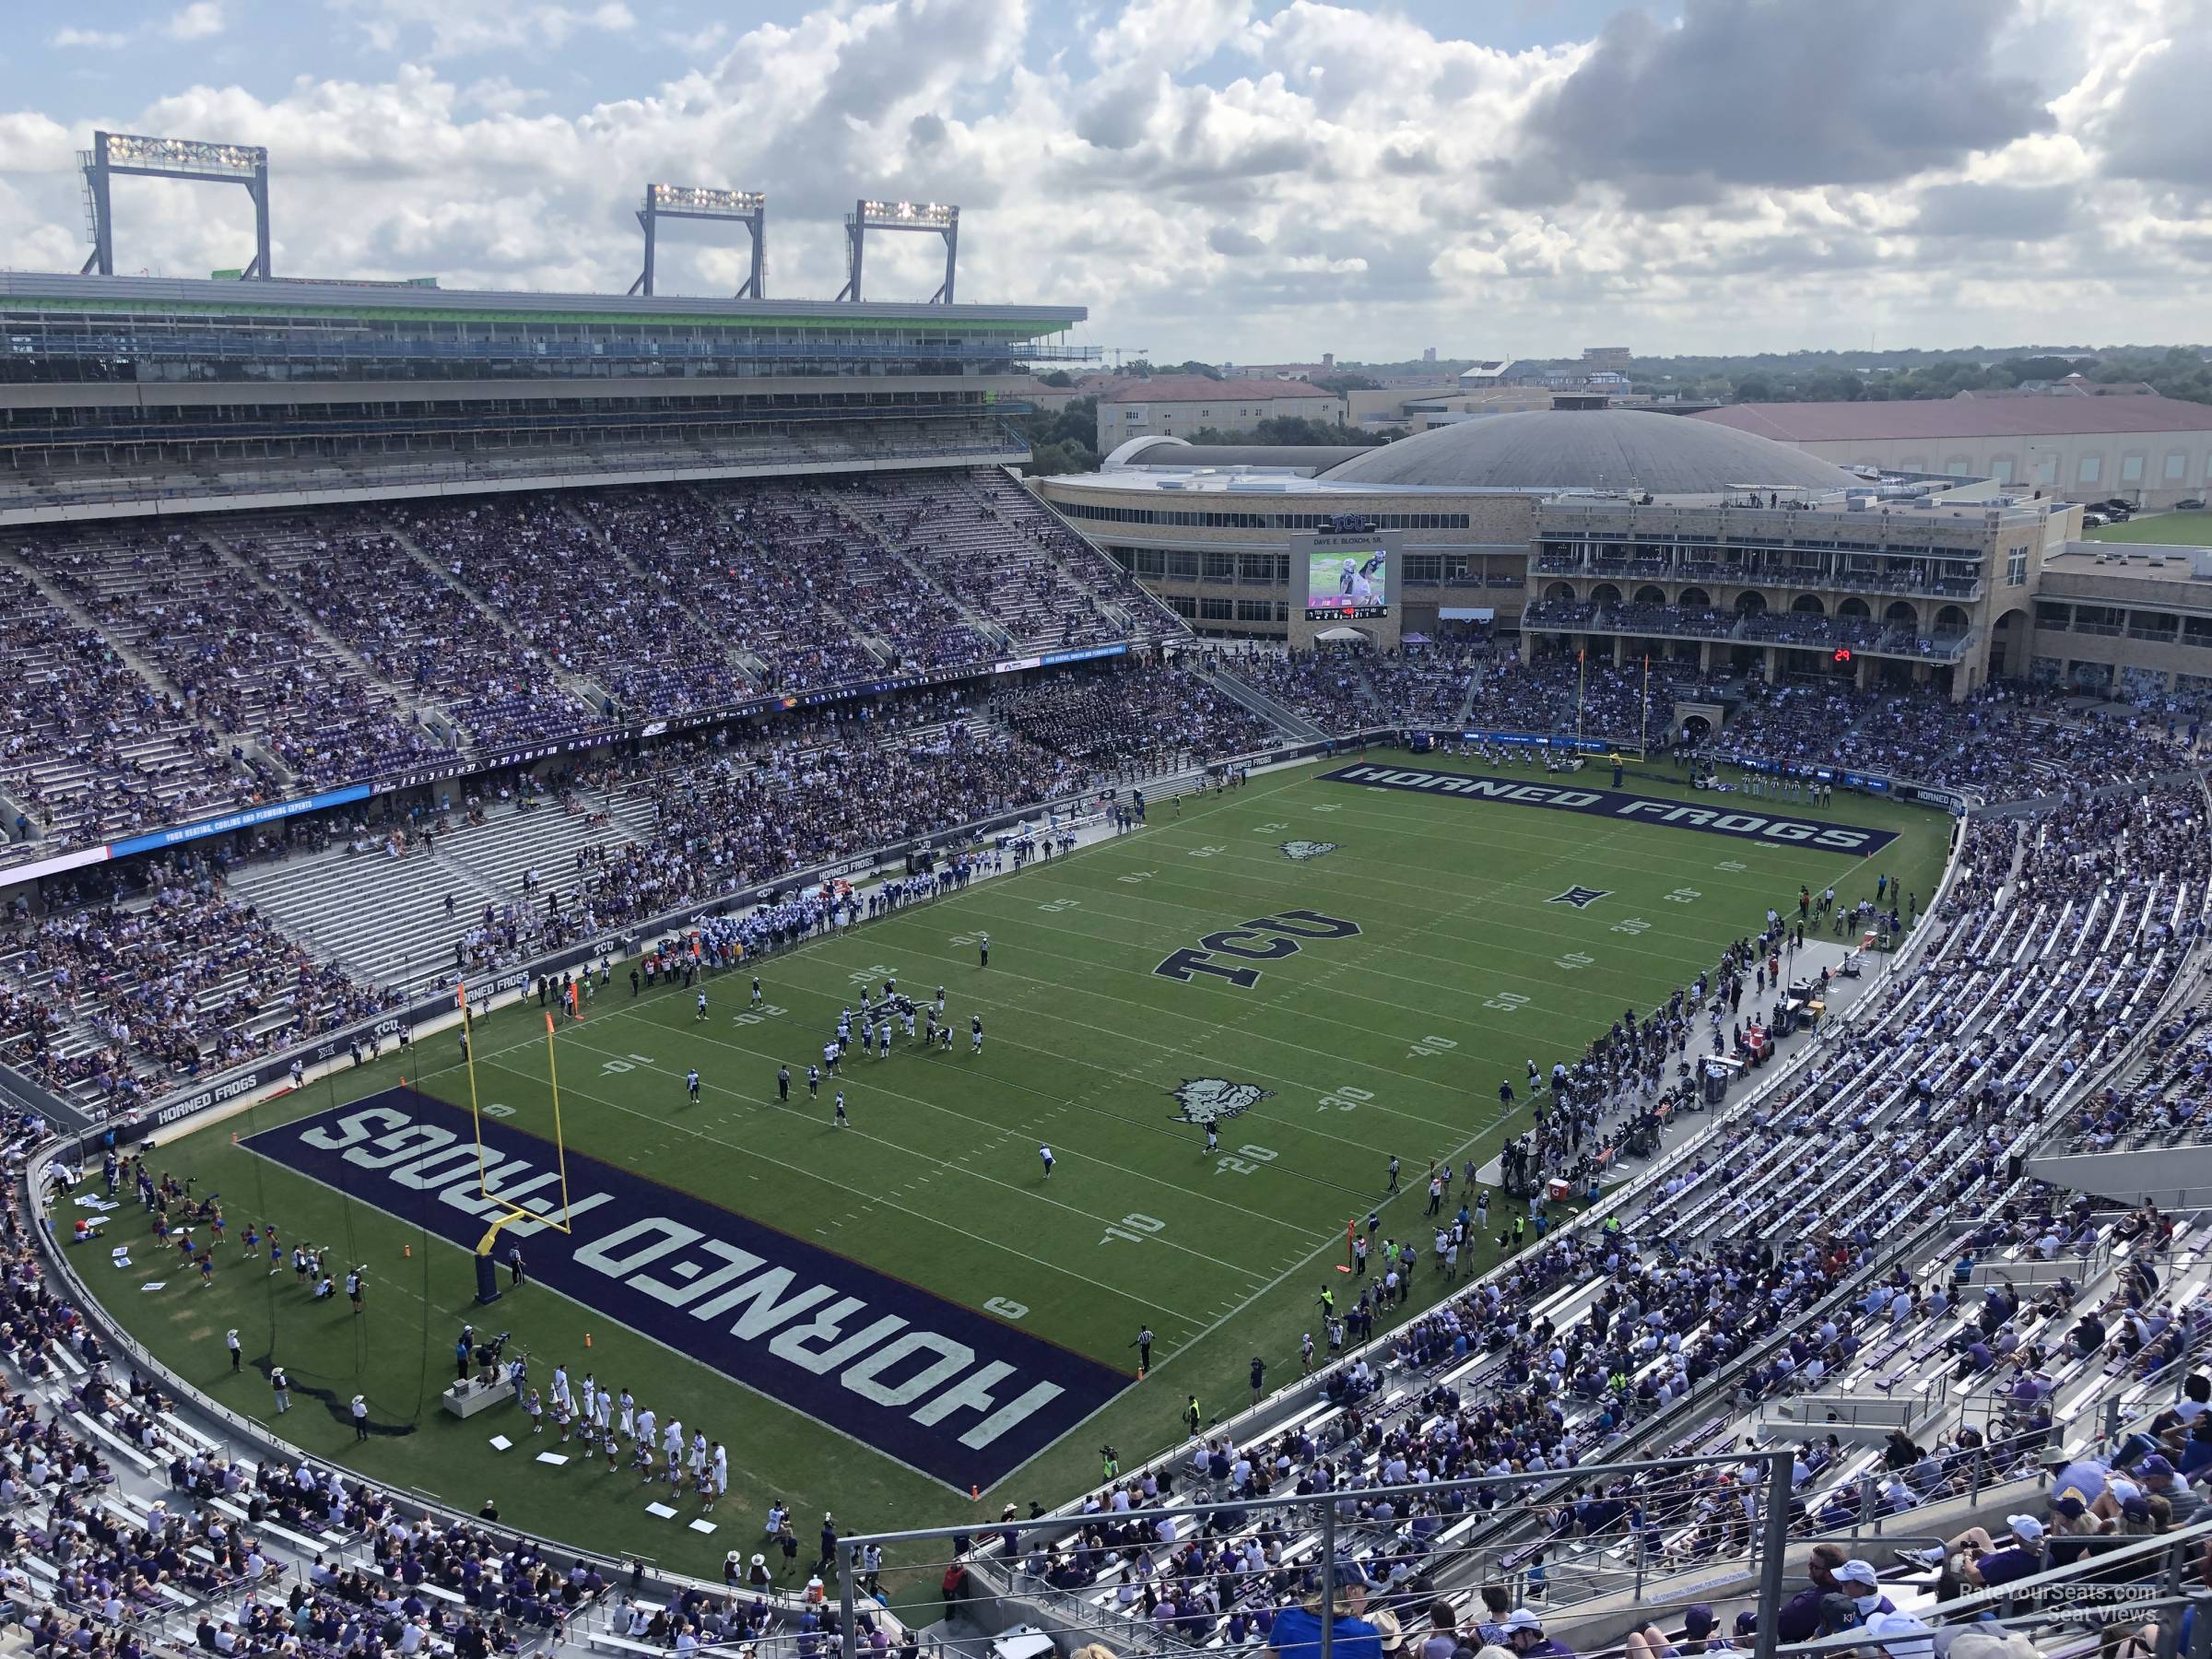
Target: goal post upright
x,y
560,1143
515,1211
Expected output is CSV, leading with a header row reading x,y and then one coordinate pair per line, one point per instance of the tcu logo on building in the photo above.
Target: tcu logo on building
x,y
1262,940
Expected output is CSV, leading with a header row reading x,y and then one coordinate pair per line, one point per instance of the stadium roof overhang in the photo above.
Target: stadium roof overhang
x,y
54,290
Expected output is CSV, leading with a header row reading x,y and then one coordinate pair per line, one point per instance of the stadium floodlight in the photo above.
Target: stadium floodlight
x,y
868,214
747,207
137,154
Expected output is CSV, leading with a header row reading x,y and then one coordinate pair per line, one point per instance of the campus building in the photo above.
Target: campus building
x,y
1180,406
1614,531
2149,450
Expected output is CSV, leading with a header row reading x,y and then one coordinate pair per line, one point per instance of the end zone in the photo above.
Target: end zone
x,y
1816,833
941,1388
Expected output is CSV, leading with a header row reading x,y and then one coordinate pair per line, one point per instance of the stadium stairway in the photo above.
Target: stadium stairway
x,y
591,696
53,594
385,918
1299,728
216,537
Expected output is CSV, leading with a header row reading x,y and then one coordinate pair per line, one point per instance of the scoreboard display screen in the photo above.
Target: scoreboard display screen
x,y
1346,583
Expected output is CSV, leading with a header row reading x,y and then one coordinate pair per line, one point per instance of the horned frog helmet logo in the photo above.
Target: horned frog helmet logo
x,y
1209,1099
1308,849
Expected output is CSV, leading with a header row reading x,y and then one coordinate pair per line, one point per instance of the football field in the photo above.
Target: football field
x,y
1334,968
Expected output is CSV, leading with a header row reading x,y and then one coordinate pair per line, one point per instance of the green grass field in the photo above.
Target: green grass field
x,y
2172,529
1394,1042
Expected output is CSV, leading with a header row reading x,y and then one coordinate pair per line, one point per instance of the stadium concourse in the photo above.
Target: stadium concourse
x,y
1848,1268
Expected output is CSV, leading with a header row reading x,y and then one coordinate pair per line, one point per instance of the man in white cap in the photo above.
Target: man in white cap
x,y
1977,1559
1858,1580
1525,1636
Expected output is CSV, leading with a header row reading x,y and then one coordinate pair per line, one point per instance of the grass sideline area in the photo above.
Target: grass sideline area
x,y
2168,529
1467,965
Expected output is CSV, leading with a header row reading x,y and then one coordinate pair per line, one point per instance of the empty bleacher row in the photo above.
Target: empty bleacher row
x,y
1742,1283
160,674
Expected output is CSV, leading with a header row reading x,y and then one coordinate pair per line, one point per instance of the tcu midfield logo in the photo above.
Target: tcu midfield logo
x,y
1262,940
1303,850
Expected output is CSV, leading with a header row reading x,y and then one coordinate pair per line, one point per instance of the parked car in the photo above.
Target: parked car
x,y
2193,505
2090,520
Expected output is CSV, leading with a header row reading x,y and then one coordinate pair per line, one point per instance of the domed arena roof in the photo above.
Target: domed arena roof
x,y
1591,449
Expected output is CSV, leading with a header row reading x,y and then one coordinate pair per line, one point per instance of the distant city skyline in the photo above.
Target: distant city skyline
x,y
1216,179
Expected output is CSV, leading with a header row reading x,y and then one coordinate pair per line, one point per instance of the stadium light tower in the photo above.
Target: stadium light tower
x,y
900,216
747,207
133,154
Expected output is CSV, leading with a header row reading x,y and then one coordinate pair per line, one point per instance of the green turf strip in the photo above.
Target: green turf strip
x,y
1393,1042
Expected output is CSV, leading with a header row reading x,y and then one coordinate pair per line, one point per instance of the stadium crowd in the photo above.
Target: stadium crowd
x,y
2005,742
263,654
1765,1264
1146,719
254,672
89,748
1587,1337
409,624
184,981
125,1530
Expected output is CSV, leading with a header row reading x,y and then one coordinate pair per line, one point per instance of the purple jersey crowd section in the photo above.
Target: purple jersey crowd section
x,y
939,1387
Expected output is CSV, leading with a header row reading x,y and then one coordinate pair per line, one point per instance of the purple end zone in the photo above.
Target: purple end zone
x,y
939,1387
1738,819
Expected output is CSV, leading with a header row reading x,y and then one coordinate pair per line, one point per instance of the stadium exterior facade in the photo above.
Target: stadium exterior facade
x,y
125,395
2076,442
1571,528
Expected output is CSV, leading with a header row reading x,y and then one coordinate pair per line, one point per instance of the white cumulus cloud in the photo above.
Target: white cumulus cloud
x,y
1238,179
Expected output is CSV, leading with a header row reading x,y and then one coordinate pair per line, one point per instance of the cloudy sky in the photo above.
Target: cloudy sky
x,y
1221,178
